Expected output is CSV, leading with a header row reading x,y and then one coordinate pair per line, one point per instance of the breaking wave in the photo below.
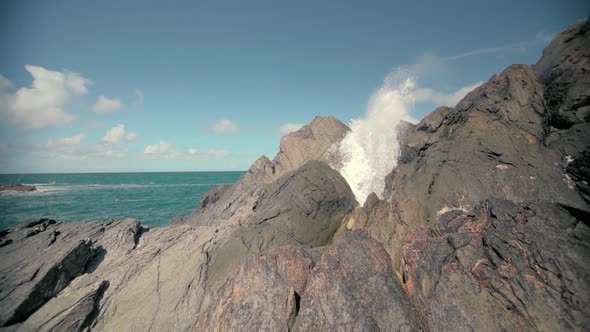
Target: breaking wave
x,y
370,150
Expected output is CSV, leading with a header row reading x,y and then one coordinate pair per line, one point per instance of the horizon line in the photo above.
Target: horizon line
x,y
110,172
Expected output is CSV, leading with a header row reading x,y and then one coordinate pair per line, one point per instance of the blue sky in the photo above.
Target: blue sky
x,y
194,85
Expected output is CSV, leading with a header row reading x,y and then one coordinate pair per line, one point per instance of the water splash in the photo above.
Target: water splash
x,y
370,150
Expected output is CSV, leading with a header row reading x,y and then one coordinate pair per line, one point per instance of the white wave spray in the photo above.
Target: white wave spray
x,y
370,150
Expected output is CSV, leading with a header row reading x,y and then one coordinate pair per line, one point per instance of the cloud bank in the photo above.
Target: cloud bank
x,y
168,151
42,104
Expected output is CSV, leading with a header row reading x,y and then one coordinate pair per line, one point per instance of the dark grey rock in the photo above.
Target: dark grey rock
x,y
17,187
353,288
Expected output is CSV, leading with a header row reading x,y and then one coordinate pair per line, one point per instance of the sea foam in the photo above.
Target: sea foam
x,y
370,150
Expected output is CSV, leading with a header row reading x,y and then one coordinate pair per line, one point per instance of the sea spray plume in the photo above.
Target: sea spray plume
x,y
370,150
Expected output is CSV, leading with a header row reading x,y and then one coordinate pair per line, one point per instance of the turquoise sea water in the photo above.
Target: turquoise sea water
x,y
153,198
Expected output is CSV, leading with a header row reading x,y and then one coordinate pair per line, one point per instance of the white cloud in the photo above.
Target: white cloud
x,y
106,105
42,104
195,153
118,135
225,126
443,99
290,127
139,97
168,151
71,149
162,150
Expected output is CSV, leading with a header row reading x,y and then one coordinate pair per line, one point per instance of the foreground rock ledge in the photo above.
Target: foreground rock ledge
x,y
484,227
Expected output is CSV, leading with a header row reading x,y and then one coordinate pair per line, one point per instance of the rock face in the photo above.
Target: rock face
x,y
354,288
487,215
235,202
119,276
484,228
17,187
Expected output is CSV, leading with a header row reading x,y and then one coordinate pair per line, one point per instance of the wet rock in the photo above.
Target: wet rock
x,y
17,187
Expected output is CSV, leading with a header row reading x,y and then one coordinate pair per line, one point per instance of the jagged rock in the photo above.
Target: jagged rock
x,y
28,283
354,289
503,268
263,295
564,69
486,214
128,278
578,170
213,196
67,312
311,142
165,278
17,187
307,205
491,145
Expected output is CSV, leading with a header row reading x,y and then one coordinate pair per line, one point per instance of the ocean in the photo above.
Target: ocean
x,y
152,198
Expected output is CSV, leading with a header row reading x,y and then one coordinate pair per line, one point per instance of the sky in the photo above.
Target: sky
x,y
153,85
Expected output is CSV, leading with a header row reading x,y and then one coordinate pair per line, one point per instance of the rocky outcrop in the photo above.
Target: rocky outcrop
x,y
353,288
484,227
502,268
263,295
17,187
311,142
486,222
121,276
500,127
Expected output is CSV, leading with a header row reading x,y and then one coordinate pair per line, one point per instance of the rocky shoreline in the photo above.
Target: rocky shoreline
x,y
17,187
484,226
